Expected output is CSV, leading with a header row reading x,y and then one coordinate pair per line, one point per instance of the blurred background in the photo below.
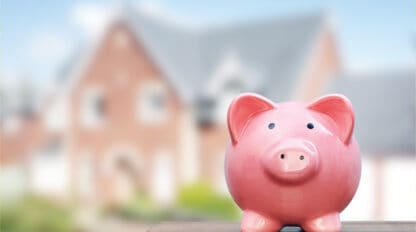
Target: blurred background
x,y
113,112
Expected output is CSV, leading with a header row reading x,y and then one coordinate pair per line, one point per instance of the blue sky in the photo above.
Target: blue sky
x,y
37,37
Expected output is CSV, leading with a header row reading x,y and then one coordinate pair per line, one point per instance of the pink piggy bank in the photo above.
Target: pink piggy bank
x,y
292,163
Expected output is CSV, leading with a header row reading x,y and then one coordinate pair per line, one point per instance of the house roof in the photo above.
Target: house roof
x,y
273,50
385,110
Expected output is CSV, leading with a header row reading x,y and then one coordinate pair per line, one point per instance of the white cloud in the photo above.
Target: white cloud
x,y
90,18
47,48
158,10
9,79
153,8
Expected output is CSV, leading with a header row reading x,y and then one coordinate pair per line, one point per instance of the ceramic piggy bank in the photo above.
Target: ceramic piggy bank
x,y
292,163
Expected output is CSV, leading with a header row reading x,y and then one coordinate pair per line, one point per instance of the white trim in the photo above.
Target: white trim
x,y
146,111
189,159
231,68
86,175
163,178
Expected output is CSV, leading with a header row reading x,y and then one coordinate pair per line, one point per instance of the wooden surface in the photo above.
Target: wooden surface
x,y
234,227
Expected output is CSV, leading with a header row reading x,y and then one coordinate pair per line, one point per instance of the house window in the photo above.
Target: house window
x,y
229,91
93,108
152,103
53,146
205,111
233,85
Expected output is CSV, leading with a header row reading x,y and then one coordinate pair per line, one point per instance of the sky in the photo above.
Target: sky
x,y
38,37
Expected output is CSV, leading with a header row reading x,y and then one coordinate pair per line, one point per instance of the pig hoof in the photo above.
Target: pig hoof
x,y
254,222
328,223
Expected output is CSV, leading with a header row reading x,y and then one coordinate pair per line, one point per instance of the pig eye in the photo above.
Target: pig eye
x,y
310,126
271,125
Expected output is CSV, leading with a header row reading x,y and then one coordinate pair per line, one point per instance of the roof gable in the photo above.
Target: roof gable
x,y
275,49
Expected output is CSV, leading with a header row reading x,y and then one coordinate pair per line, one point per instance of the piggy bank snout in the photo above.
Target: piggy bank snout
x,y
291,161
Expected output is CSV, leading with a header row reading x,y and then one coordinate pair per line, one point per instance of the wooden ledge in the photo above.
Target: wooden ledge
x,y
364,226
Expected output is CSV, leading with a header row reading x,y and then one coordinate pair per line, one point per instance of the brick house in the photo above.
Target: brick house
x,y
144,108
147,106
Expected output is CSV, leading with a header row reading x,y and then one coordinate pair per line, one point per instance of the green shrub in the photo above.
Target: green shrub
x,y
35,215
201,199
198,201
141,208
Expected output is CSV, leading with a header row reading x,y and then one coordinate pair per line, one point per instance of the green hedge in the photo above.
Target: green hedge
x,y
33,214
141,208
197,201
200,198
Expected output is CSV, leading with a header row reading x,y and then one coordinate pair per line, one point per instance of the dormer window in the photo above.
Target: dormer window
x,y
152,103
93,108
205,110
230,89
233,84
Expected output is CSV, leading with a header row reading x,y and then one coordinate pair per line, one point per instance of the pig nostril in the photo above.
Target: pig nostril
x,y
301,157
282,156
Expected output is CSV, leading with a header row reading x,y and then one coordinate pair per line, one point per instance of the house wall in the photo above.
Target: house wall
x,y
189,144
214,140
398,187
322,63
120,69
387,189
13,181
49,173
20,137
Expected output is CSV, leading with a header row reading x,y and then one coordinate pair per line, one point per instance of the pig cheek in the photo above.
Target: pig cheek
x,y
267,162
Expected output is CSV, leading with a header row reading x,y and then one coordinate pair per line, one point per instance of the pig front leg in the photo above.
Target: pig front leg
x,y
327,223
255,222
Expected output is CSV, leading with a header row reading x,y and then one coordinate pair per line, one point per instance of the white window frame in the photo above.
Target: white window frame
x,y
146,111
89,117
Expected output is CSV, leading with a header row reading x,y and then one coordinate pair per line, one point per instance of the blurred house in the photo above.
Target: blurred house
x,y
385,109
154,96
20,137
144,108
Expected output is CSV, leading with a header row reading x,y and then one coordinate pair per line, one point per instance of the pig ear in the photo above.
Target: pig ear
x,y
339,108
242,109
